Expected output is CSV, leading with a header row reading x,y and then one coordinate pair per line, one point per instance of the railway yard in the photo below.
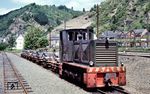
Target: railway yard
x,y
39,80
75,47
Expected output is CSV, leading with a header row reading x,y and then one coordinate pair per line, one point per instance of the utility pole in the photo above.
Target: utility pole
x,y
49,33
97,20
65,24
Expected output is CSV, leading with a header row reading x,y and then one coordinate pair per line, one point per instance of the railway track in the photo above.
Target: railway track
x,y
138,55
112,90
14,83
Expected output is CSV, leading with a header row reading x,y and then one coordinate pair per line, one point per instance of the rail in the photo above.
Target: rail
x,y
112,90
146,56
11,74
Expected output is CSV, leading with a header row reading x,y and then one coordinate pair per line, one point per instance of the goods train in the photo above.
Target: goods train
x,y
94,63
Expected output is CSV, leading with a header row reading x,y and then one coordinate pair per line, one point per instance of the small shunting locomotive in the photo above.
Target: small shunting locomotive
x,y
91,62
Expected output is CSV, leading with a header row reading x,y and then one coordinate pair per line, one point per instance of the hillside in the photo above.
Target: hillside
x,y
32,14
124,15
82,21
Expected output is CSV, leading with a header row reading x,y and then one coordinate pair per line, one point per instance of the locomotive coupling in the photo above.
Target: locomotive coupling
x,y
107,82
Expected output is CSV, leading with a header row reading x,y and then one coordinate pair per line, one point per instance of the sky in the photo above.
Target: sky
x,y
8,5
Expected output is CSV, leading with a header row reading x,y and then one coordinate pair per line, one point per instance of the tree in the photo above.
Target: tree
x,y
3,46
50,28
63,7
11,41
41,18
58,21
83,9
34,38
71,8
146,12
42,42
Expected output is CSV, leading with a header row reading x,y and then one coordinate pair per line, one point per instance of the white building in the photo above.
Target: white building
x,y
20,42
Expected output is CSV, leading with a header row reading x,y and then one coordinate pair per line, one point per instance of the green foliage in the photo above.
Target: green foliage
x,y
34,38
50,15
63,7
58,21
3,46
42,42
41,18
50,29
134,49
83,9
114,13
26,17
136,25
12,41
147,7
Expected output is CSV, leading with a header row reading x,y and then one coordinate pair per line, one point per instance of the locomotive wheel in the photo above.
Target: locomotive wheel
x,y
45,65
64,75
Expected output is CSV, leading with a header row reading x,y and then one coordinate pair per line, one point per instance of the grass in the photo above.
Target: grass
x,y
13,50
134,49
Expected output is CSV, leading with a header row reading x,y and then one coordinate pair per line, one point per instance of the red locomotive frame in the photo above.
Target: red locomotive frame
x,y
95,76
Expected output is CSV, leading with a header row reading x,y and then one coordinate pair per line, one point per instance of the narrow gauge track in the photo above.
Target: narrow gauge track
x,y
112,90
14,83
146,56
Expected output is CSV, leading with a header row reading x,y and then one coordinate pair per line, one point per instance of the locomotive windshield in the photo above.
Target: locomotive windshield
x,y
72,35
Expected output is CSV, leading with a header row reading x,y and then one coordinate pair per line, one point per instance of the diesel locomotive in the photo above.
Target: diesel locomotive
x,y
91,62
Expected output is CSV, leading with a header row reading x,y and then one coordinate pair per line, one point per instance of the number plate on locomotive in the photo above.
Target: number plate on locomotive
x,y
110,75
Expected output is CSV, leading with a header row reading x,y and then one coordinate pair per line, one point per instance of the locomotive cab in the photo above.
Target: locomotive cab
x,y
78,45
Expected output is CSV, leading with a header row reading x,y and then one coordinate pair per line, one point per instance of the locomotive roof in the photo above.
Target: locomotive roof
x,y
77,30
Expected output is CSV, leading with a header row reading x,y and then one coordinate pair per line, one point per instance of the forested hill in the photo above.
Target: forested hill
x,y
124,14
32,14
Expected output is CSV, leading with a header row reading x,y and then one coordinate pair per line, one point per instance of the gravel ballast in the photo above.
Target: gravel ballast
x,y
1,74
138,74
43,81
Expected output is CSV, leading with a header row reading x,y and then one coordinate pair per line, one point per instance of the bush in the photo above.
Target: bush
x,y
3,46
34,38
63,7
